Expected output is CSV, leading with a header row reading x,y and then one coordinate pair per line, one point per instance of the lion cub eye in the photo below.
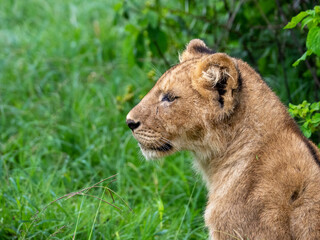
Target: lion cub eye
x,y
168,97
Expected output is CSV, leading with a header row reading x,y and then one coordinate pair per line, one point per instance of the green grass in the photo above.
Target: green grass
x,y
62,66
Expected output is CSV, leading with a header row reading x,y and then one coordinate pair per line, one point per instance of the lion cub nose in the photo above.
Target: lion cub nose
x,y
132,124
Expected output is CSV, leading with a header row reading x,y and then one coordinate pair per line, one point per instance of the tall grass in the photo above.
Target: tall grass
x,y
61,129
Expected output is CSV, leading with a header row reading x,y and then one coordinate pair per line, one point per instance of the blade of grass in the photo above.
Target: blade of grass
x,y
95,217
76,227
185,212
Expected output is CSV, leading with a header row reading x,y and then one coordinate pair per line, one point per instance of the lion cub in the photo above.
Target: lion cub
x,y
262,174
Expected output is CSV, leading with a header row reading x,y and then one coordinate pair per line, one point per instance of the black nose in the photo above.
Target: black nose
x,y
132,124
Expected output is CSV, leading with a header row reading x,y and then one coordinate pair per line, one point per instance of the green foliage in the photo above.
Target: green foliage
x,y
155,31
308,115
311,18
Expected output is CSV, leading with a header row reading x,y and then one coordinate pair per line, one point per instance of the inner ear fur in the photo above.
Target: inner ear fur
x,y
195,48
217,76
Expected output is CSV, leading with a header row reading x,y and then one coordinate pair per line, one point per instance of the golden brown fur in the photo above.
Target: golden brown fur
x,y
262,174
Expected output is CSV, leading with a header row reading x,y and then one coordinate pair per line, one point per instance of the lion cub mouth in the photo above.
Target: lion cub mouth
x,y
163,148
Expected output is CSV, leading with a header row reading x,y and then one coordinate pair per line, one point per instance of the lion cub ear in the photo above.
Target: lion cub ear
x,y
217,77
195,48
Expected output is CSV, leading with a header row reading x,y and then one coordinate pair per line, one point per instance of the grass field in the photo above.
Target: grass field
x,y
62,128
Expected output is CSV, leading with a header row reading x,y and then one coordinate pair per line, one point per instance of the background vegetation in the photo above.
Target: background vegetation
x,y
70,70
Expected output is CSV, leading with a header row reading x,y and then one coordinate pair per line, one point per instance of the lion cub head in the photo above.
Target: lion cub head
x,y
188,103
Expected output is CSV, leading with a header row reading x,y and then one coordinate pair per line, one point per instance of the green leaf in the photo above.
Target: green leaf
x,y
267,6
312,23
306,130
295,20
310,12
315,106
305,103
118,6
302,58
313,40
306,21
139,50
304,113
291,105
315,119
162,40
152,18
131,29
158,41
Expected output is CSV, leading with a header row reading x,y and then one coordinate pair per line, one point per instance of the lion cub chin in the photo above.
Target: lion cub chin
x,y
263,175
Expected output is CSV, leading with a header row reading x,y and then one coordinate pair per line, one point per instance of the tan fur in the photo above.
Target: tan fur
x,y
262,174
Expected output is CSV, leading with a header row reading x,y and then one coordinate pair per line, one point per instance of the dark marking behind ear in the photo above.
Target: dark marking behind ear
x,y
196,48
221,88
239,79
312,150
202,49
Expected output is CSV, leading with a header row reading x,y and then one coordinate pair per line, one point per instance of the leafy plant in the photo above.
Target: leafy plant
x,y
153,32
308,116
310,18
